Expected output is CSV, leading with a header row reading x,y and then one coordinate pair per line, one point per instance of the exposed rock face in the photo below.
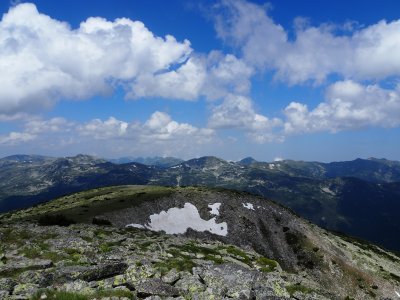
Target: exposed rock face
x,y
134,263
267,253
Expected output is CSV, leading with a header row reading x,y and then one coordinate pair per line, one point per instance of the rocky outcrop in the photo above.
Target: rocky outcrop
x,y
132,263
259,251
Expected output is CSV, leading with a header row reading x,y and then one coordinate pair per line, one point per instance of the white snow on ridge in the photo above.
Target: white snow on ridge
x,y
177,221
328,191
214,208
248,206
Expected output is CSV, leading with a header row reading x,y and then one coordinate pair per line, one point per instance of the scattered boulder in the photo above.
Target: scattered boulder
x,y
155,286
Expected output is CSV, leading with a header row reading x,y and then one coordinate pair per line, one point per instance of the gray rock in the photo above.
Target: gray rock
x,y
228,280
136,273
270,286
190,285
171,277
41,278
25,290
90,273
75,286
21,263
4,295
155,286
102,271
7,284
311,296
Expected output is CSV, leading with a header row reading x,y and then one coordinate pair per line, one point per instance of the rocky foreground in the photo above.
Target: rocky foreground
x,y
100,262
221,245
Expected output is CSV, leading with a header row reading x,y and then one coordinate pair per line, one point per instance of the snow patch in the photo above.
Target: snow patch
x,y
214,208
177,221
248,205
328,190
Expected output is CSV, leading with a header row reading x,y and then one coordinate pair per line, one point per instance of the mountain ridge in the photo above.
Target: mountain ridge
x,y
366,209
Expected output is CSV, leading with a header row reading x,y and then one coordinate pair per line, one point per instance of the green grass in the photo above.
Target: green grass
x,y
59,295
105,247
53,295
92,202
180,263
15,237
53,256
30,252
298,288
266,264
239,254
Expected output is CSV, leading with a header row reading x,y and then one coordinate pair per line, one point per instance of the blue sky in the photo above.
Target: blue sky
x,y
310,80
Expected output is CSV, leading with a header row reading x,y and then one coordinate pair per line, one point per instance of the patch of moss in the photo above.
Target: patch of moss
x,y
43,246
145,245
53,256
87,239
19,237
101,233
298,288
30,252
71,251
179,263
58,295
105,247
240,254
266,264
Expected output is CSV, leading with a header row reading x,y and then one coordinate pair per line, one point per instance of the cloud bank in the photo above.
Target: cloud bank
x,y
44,60
315,52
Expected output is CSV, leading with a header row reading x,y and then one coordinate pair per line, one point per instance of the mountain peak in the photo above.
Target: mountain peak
x,y
247,161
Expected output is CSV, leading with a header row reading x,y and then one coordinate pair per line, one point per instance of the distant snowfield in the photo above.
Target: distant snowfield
x,y
178,220
248,206
328,191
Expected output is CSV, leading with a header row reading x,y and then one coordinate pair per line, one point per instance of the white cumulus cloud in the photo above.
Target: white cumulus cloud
x,y
349,105
315,52
238,112
43,60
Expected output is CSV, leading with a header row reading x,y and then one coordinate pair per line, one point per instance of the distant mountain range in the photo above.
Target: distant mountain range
x,y
158,161
359,197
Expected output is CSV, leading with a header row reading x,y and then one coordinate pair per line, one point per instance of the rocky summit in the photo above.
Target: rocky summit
x,y
142,242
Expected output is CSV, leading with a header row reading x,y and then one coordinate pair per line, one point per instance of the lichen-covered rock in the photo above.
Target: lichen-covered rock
x,y
171,277
75,286
136,273
25,290
4,295
7,284
270,286
40,277
190,285
100,271
155,286
119,280
228,280
21,263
